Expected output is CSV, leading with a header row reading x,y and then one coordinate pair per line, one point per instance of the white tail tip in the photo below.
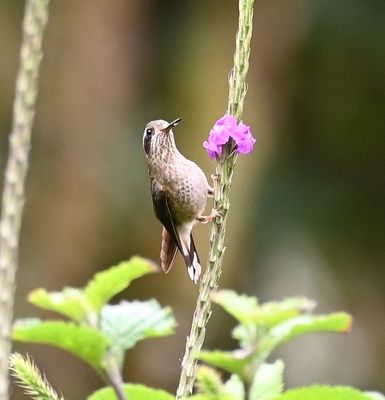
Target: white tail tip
x,y
195,269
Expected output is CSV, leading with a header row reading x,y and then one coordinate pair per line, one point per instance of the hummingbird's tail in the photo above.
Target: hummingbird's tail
x,y
190,256
194,268
187,249
168,251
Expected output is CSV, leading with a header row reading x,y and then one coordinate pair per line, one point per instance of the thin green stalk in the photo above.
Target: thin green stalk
x,y
35,18
30,379
224,172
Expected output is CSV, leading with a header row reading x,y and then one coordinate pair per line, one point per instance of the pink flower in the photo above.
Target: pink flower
x,y
221,132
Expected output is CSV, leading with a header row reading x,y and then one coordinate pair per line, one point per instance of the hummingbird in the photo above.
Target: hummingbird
x,y
179,191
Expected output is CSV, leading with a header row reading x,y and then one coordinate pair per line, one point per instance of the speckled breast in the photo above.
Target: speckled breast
x,y
184,183
187,192
187,201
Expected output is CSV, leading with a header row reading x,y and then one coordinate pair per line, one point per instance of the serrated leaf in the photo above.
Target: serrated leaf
x,y
108,283
83,341
70,302
128,322
241,307
267,383
231,361
323,393
133,392
281,333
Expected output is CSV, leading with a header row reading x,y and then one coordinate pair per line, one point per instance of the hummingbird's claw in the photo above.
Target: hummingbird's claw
x,y
204,219
215,177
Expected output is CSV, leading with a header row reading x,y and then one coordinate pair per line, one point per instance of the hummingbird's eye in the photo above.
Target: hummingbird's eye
x,y
149,131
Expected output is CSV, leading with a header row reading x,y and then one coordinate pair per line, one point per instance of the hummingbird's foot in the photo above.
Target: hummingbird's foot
x,y
204,219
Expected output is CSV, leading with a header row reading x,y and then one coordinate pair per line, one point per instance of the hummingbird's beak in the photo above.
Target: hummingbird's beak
x,y
172,124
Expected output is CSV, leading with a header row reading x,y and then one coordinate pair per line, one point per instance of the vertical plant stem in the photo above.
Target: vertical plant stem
x,y
35,19
224,172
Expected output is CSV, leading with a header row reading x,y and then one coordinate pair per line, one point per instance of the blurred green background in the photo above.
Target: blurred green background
x,y
308,205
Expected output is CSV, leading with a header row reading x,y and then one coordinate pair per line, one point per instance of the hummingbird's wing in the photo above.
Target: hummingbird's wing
x,y
163,213
176,238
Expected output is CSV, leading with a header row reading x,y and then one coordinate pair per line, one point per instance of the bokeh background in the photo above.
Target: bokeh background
x,y
308,205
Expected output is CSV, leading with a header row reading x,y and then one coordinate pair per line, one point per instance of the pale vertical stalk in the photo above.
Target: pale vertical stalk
x,y
35,18
224,172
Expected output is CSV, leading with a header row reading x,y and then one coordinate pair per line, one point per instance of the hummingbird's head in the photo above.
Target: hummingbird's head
x,y
157,135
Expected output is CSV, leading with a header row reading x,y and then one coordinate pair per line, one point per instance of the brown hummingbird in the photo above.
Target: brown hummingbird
x,y
179,191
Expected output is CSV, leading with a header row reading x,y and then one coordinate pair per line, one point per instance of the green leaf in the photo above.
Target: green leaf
x,y
246,335
231,361
281,333
273,313
208,381
323,393
108,283
69,302
211,387
234,387
268,381
246,309
241,307
375,395
128,322
133,392
83,341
